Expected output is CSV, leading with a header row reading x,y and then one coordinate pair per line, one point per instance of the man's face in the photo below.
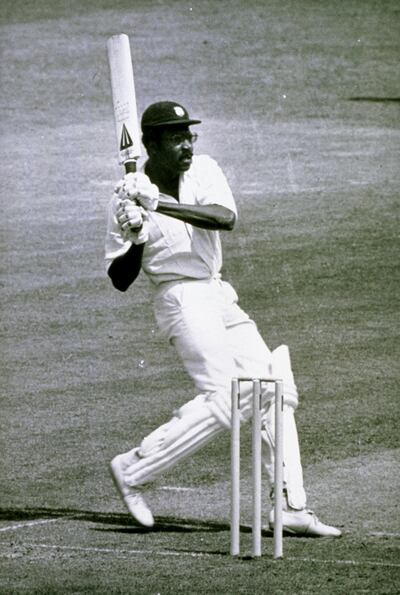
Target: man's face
x,y
175,149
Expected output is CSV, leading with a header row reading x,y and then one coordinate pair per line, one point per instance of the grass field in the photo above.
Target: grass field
x,y
300,106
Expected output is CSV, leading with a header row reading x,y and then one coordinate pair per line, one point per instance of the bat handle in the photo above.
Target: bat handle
x,y
130,167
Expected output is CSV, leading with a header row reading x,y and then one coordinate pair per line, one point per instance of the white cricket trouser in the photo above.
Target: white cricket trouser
x,y
216,340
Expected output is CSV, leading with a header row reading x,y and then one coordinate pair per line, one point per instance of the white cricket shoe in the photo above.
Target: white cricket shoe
x,y
132,497
304,522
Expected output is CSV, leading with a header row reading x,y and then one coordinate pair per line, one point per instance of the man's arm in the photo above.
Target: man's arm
x,y
138,187
125,268
205,216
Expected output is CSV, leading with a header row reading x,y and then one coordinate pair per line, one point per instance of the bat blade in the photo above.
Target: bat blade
x,y
124,101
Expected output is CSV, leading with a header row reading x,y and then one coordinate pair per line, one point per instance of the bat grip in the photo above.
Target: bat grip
x,y
130,167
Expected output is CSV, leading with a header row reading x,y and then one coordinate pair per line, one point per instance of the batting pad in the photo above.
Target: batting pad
x,y
190,429
292,469
282,368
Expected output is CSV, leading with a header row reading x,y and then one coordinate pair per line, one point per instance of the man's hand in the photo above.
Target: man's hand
x,y
132,220
138,187
129,215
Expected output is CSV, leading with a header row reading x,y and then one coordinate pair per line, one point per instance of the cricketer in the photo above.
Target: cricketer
x,y
166,219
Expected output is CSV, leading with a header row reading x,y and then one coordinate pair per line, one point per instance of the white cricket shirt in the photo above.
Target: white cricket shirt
x,y
176,250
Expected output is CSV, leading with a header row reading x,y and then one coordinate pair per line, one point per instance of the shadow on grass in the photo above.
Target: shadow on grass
x,y
376,99
124,523
120,523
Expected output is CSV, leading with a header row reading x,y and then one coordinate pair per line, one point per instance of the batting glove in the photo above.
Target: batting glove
x,y
132,220
139,187
139,237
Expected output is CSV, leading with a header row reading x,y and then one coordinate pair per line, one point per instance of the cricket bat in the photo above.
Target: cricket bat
x,y
124,101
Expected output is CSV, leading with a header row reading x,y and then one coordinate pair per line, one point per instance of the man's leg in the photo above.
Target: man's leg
x,y
253,359
216,341
191,318
192,426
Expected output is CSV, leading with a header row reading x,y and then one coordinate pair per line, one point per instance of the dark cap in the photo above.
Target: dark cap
x,y
166,113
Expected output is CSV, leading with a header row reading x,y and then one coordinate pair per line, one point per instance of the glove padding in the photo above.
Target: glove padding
x,y
132,220
138,187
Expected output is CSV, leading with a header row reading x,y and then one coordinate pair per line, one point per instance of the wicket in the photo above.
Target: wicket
x,y
256,466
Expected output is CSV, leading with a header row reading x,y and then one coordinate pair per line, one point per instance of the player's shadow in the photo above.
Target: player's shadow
x,y
121,522
108,521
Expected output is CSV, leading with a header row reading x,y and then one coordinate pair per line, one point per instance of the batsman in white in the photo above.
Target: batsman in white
x,y
166,219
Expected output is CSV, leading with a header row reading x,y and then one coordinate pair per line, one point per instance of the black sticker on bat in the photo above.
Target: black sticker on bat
x,y
126,140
